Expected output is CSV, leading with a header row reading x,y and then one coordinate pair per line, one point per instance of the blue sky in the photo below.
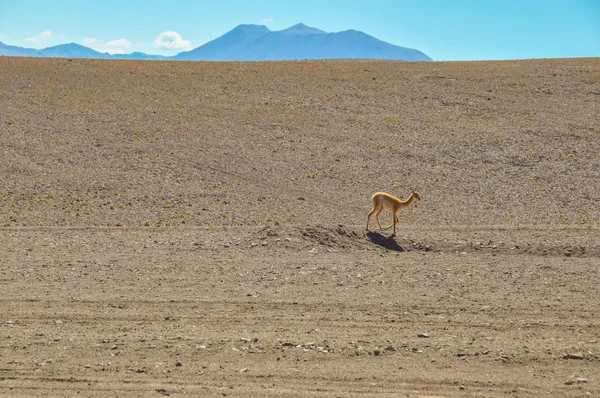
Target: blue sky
x,y
443,29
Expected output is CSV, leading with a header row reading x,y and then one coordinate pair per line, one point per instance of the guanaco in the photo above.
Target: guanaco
x,y
384,201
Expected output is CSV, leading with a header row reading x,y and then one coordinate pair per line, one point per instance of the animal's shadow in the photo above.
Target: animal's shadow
x,y
387,242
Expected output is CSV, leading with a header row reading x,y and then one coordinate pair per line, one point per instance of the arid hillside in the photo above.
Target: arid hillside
x,y
133,143
198,229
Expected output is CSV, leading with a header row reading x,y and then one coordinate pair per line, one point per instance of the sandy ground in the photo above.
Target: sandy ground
x,y
171,229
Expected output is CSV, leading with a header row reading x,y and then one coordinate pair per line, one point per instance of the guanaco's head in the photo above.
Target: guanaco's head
x,y
416,194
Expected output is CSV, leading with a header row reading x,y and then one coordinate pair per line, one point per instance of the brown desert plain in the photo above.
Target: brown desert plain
x,y
198,229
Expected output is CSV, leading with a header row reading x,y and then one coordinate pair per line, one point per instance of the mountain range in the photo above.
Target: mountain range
x,y
253,43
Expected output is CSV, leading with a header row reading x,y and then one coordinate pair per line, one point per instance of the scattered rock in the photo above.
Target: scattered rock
x,y
243,370
178,363
575,355
576,380
423,335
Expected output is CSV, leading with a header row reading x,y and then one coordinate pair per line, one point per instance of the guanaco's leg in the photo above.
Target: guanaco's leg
x,y
397,219
377,217
370,214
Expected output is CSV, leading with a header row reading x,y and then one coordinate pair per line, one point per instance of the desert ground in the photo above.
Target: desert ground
x,y
198,229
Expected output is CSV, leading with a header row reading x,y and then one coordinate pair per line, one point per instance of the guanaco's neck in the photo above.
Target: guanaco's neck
x,y
408,202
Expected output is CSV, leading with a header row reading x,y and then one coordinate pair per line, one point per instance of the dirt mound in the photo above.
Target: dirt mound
x,y
307,237
334,237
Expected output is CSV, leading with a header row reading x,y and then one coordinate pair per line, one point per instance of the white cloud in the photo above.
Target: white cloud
x,y
267,20
45,35
172,40
118,46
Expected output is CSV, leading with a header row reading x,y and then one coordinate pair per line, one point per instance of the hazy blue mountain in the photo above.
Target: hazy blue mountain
x,y
258,43
254,43
71,50
15,51
227,46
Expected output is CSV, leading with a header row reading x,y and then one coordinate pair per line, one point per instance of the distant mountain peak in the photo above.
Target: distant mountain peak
x,y
301,29
69,45
252,28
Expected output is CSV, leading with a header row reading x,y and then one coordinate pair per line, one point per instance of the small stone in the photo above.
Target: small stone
x,y
243,370
461,387
575,355
423,335
178,363
376,352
